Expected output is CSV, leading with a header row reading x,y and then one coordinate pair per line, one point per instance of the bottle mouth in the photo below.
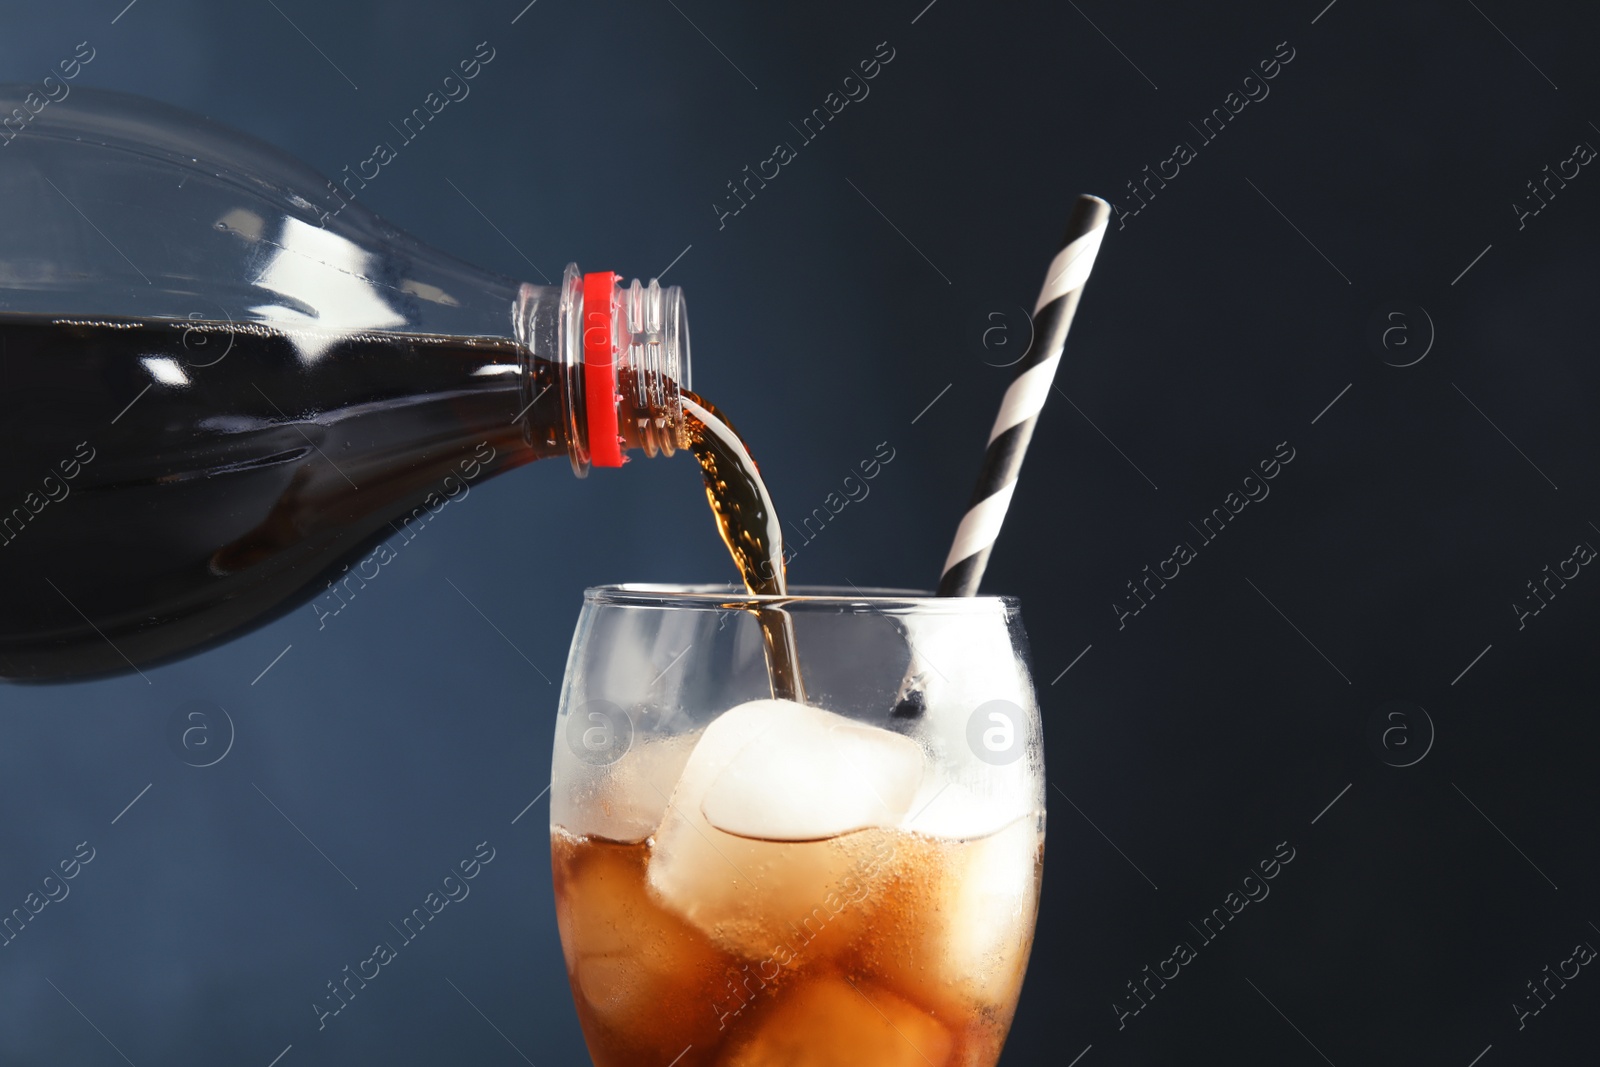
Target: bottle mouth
x,y
652,329
627,351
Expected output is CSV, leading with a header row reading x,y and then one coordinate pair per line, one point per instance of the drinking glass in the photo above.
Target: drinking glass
x,y
743,881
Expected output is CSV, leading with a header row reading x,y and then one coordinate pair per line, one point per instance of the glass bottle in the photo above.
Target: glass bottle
x,y
223,381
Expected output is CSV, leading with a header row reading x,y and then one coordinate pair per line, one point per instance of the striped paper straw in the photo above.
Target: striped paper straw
x,y
1013,426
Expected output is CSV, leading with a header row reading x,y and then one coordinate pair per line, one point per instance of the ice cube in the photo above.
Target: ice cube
x,y
832,1021
756,848
621,801
807,774
628,958
992,903
967,671
964,659
973,800
968,945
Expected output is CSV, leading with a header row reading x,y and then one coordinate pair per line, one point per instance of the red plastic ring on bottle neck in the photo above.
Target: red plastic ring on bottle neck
x,y
600,370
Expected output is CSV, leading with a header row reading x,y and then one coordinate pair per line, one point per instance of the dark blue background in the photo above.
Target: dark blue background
x,y
1222,320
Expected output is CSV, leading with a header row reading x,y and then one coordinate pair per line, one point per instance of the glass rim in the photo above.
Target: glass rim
x,y
709,595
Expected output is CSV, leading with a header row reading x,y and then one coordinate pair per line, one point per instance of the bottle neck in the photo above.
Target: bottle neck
x,y
623,355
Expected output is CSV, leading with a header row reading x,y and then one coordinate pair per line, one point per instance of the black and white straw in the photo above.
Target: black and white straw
x,y
1019,411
